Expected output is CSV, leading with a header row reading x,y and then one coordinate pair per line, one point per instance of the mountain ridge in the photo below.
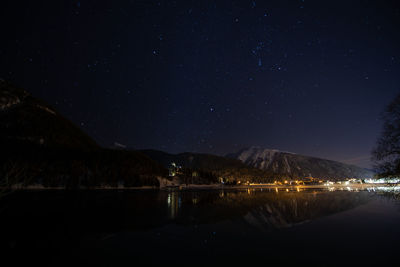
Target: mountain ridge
x,y
26,118
297,165
228,168
38,138
40,146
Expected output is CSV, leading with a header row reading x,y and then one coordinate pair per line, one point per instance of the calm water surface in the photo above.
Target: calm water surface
x,y
201,228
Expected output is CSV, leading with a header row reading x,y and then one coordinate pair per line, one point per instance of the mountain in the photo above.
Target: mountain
x,y
229,168
40,146
207,162
297,166
24,118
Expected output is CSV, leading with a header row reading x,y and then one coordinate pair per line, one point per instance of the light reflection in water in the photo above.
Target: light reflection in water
x,y
267,207
247,210
195,198
174,203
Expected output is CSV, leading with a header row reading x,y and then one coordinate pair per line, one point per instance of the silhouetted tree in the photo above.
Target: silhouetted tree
x,y
386,154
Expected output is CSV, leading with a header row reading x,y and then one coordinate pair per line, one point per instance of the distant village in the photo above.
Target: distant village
x,y
176,171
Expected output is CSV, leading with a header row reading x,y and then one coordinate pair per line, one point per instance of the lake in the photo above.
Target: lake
x,y
267,226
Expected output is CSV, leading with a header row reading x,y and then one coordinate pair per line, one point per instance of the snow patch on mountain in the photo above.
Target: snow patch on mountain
x,y
261,158
295,165
46,109
10,97
8,100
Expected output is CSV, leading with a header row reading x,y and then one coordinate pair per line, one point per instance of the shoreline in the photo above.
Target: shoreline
x,y
207,187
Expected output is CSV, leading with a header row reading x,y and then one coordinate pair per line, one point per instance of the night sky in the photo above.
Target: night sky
x,y
310,77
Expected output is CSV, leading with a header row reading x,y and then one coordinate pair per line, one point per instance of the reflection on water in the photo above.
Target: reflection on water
x,y
174,203
58,221
266,208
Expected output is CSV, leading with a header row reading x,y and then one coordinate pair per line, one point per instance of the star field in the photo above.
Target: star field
x,y
309,77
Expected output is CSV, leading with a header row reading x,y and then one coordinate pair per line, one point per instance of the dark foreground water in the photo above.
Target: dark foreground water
x,y
192,228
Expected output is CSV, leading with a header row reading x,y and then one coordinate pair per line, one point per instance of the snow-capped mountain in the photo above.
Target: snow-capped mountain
x,y
295,165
